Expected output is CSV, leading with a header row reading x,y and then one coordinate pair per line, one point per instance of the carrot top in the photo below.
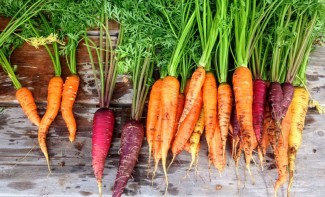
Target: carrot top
x,y
107,69
7,67
222,49
26,10
250,20
208,31
307,16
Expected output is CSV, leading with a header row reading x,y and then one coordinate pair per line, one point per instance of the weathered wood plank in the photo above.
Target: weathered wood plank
x,y
35,69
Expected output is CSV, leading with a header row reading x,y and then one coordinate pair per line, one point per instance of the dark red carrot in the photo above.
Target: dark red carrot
x,y
103,126
275,98
131,142
288,90
259,100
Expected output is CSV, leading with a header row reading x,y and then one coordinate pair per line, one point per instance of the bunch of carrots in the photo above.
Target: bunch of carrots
x,y
196,45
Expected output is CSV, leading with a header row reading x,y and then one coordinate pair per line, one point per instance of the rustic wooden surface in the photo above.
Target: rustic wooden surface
x,y
23,170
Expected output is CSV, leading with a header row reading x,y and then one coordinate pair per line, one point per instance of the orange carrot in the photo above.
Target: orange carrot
x,y
27,103
153,114
265,142
281,151
210,106
197,80
169,100
180,107
186,127
243,90
216,156
52,109
156,147
69,93
225,99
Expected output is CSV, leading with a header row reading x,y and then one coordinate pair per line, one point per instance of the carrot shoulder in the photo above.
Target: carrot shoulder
x,y
52,109
27,102
69,94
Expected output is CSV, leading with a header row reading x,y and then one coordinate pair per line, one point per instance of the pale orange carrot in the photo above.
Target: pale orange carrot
x,y
27,103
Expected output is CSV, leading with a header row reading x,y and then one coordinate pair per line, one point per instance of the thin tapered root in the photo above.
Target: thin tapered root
x,y
99,184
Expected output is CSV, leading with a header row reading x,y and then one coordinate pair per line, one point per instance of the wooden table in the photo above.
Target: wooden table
x,y
23,170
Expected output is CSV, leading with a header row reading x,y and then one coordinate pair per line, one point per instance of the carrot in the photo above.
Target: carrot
x,y
270,128
210,106
259,100
27,103
196,83
216,156
299,109
156,147
186,127
52,109
225,100
153,114
103,126
23,94
131,142
281,151
169,98
69,93
275,97
195,138
265,142
180,107
243,90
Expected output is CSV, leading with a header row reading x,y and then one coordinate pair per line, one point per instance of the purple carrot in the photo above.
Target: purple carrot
x,y
288,91
275,98
103,126
259,100
131,142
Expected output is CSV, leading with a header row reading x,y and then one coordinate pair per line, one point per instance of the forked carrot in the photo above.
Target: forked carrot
x,y
169,100
243,90
69,94
52,109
